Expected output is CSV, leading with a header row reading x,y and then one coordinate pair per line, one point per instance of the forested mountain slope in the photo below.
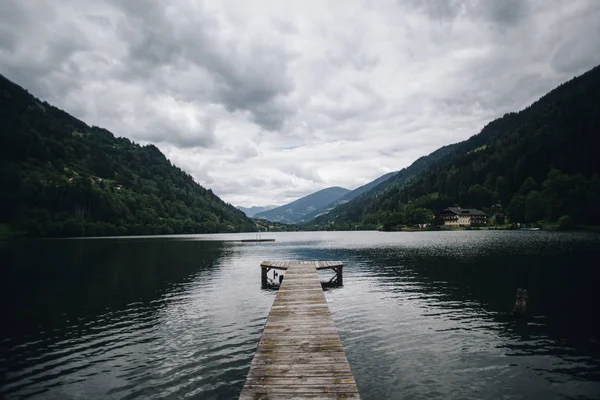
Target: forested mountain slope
x,y
61,177
538,164
364,188
348,196
353,211
299,210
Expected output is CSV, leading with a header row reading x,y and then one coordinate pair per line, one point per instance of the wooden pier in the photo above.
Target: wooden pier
x,y
300,355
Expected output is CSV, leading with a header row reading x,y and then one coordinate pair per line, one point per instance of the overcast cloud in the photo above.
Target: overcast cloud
x,y
266,101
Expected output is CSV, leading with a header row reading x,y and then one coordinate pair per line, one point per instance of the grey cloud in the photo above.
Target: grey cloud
x,y
507,12
150,36
237,186
99,20
265,103
40,61
200,135
350,51
160,45
571,54
13,18
440,9
253,80
504,12
283,26
244,152
306,172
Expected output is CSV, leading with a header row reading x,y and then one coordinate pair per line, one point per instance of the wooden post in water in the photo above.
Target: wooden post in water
x,y
520,302
264,279
340,275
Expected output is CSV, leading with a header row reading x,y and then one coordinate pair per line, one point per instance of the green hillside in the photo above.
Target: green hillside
x,y
538,164
61,177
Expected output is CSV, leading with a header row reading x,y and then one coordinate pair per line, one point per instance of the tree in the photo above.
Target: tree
x,y
516,208
424,216
502,190
565,222
479,196
529,184
410,215
534,207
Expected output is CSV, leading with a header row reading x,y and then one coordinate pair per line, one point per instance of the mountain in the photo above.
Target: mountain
x,y
348,196
61,177
297,211
537,164
364,188
252,211
352,211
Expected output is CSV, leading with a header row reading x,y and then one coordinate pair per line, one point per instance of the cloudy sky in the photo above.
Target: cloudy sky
x,y
266,101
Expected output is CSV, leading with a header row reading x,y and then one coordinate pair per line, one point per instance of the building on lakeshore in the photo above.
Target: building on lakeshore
x,y
463,217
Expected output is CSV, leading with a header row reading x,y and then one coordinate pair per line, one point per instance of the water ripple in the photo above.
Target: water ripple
x,y
420,316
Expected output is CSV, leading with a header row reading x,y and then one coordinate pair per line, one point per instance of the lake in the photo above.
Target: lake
x,y
423,315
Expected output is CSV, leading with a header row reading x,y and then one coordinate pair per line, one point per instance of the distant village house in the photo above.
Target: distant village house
x,y
463,217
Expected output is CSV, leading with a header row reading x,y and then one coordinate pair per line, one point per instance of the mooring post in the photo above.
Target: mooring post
x,y
520,302
263,276
340,275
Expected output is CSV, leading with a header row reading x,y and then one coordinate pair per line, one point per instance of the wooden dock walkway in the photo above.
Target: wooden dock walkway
x,y
300,355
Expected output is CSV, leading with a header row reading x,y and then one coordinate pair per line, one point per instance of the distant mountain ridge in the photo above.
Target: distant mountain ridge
x,y
349,196
351,210
252,211
364,188
298,210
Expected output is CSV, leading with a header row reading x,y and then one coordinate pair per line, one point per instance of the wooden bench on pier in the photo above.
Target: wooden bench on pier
x,y
300,355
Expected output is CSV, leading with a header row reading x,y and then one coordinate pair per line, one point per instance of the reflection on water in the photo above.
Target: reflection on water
x,y
421,315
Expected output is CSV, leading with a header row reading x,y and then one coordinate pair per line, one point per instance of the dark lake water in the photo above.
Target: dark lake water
x,y
422,315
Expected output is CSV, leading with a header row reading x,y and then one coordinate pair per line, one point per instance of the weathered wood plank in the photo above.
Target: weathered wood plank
x,y
302,380
300,355
300,370
333,364
339,388
318,351
303,300
300,324
299,396
301,335
315,329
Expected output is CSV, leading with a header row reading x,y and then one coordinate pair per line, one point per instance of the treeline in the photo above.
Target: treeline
x,y
405,215
538,164
264,225
60,177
